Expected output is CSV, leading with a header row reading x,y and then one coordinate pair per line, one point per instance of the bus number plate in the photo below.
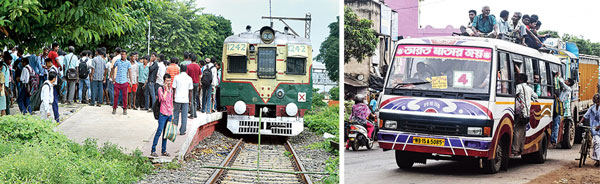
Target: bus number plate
x,y
429,141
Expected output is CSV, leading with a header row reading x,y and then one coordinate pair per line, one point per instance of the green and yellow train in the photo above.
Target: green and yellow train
x,y
268,70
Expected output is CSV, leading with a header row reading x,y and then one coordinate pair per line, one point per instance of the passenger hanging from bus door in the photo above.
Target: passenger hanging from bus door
x,y
562,92
523,99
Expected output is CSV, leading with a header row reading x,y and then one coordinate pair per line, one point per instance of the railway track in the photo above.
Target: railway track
x,y
275,156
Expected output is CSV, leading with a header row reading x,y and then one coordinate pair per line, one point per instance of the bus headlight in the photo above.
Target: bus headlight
x,y
291,109
391,124
474,131
239,107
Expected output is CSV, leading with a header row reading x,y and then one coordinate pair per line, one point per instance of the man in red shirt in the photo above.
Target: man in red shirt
x,y
53,55
193,69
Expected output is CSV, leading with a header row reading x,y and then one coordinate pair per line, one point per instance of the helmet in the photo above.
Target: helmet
x,y
359,98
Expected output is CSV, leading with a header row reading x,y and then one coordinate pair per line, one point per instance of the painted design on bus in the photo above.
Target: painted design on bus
x,y
456,107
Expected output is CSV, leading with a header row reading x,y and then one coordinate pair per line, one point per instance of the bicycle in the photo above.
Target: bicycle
x,y
586,143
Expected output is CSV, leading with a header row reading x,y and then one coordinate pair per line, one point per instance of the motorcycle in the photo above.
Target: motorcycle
x,y
357,136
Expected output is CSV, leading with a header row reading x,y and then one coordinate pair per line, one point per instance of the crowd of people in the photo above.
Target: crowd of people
x,y
99,78
521,29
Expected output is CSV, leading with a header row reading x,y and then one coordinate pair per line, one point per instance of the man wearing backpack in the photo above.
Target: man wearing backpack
x,y
207,85
524,96
47,96
25,90
84,81
70,73
53,69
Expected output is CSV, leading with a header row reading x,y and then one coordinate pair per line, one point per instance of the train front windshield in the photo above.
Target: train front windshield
x,y
441,68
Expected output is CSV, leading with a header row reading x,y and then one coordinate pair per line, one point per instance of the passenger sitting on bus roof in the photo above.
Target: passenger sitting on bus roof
x,y
484,23
527,95
423,72
468,31
517,27
531,39
542,37
503,26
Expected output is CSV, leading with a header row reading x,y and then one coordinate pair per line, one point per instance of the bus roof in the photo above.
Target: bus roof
x,y
254,38
482,42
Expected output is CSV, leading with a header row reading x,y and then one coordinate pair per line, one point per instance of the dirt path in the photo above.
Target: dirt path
x,y
571,173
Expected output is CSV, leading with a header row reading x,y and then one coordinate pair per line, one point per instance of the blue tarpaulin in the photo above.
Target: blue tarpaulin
x,y
571,47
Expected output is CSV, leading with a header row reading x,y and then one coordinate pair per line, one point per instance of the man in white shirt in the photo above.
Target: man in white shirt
x,y
526,96
162,69
24,94
84,82
215,83
47,96
182,88
503,25
53,69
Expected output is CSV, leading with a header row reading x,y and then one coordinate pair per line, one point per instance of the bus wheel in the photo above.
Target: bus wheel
x,y
539,157
569,135
492,166
404,160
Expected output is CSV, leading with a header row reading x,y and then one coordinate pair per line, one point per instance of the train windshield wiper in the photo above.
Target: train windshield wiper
x,y
410,83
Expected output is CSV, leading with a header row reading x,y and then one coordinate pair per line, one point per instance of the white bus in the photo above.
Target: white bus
x,y
453,98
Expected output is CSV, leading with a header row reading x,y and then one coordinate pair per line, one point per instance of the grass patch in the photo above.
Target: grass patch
x,y
31,152
332,167
323,119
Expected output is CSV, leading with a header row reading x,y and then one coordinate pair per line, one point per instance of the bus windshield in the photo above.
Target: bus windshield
x,y
441,68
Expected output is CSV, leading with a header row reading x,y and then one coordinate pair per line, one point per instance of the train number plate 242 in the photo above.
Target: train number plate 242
x,y
429,141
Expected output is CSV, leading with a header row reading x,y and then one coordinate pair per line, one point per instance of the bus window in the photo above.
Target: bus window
x,y
555,68
504,84
518,62
529,70
544,75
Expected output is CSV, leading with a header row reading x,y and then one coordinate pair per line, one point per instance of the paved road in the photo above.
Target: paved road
x,y
377,166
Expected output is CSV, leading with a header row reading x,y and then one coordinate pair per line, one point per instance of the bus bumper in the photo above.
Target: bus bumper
x,y
455,146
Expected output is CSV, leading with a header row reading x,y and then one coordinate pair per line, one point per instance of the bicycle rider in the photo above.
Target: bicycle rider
x,y
593,115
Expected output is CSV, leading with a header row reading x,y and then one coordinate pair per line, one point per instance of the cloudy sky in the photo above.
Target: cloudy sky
x,y
575,17
249,12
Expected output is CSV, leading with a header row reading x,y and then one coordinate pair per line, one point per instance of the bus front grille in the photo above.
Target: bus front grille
x,y
430,128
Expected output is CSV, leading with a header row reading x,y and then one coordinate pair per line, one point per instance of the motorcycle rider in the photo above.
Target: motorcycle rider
x,y
360,113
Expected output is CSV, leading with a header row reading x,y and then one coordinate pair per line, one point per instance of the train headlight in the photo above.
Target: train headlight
x,y
280,93
239,107
391,124
291,109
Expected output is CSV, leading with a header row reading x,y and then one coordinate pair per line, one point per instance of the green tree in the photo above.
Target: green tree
x,y
335,93
329,51
34,23
359,39
552,33
221,28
